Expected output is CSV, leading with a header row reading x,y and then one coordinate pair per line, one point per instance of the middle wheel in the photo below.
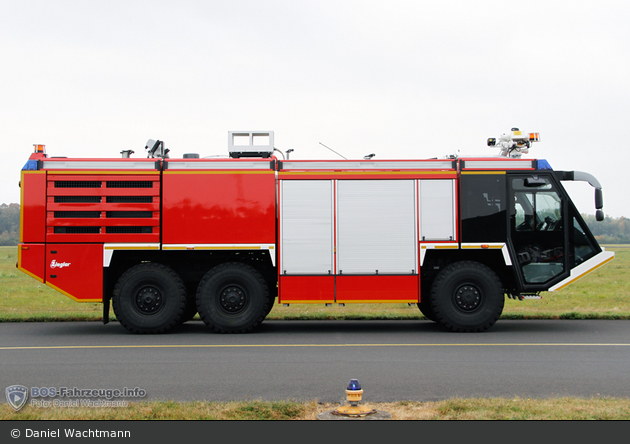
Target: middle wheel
x,y
232,298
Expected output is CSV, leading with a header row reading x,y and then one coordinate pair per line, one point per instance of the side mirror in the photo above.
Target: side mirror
x,y
599,215
599,199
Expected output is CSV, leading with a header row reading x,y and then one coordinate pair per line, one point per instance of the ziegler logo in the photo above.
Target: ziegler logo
x,y
55,264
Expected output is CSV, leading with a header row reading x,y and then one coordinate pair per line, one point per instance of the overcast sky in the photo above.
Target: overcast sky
x,y
401,79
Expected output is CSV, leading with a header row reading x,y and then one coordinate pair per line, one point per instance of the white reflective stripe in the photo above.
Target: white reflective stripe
x,y
483,245
107,257
506,255
490,246
98,165
270,247
476,246
497,164
132,246
368,165
436,246
108,249
584,268
218,246
218,165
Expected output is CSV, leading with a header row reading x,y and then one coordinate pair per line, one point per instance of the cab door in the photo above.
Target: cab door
x,y
538,230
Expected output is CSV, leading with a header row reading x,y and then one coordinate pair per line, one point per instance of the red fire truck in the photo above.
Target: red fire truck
x,y
164,238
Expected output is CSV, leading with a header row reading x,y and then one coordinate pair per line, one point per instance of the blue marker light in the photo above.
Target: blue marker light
x,y
354,385
30,165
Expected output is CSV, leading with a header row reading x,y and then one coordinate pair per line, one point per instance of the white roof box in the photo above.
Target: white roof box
x,y
250,143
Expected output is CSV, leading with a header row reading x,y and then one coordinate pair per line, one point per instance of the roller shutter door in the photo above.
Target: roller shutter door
x,y
376,227
306,227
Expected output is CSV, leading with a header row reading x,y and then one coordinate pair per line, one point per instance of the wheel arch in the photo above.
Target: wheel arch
x,y
436,260
190,265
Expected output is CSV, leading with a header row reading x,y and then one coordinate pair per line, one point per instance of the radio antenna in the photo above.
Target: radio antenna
x,y
332,150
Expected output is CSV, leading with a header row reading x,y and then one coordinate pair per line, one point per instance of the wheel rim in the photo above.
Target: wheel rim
x,y
149,300
232,299
468,298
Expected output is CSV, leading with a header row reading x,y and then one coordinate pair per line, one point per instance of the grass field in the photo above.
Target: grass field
x,y
450,409
603,294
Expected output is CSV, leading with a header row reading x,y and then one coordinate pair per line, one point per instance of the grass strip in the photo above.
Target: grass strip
x,y
515,408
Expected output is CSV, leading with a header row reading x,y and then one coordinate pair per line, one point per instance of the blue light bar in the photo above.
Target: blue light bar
x,y
542,164
354,385
30,165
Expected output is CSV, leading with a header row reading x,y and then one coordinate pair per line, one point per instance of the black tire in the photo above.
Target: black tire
x,y
425,308
467,296
232,298
149,298
272,302
273,295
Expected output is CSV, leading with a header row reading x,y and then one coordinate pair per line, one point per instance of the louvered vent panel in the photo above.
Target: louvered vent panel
x,y
103,208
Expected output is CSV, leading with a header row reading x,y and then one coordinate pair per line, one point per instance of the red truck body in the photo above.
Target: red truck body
x,y
167,238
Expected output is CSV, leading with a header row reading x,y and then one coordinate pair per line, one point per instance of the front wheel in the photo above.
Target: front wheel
x,y
467,296
232,298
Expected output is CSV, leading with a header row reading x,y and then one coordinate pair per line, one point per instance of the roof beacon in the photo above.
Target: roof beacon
x,y
514,143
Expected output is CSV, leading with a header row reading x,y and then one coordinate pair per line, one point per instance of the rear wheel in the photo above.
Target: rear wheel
x,y
273,295
149,298
232,298
467,296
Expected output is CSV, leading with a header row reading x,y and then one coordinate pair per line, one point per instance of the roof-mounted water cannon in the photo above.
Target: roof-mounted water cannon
x,y
514,143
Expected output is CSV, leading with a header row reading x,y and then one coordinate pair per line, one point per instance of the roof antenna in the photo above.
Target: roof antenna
x,y
332,150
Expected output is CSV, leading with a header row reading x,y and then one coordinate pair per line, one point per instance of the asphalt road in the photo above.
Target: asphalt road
x,y
307,360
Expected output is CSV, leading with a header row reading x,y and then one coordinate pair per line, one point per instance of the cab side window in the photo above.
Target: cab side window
x,y
537,226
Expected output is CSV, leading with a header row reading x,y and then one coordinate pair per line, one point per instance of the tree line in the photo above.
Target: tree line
x,y
9,224
609,231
